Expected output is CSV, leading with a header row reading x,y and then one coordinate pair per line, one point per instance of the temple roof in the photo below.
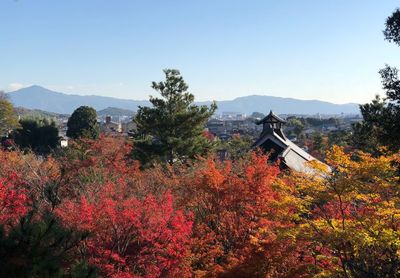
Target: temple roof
x,y
292,156
271,118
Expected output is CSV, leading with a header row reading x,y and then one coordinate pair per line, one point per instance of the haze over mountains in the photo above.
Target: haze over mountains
x,y
37,97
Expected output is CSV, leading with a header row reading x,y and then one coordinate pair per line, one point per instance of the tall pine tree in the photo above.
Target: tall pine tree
x,y
172,130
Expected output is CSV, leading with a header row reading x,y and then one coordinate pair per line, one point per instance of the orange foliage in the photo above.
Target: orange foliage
x,y
239,211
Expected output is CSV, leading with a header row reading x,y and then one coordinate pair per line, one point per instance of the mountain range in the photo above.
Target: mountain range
x,y
37,97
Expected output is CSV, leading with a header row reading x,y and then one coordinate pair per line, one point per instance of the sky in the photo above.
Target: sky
x,y
309,49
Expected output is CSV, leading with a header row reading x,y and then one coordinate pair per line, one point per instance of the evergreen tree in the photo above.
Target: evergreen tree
x,y
40,135
392,30
39,248
318,142
83,123
172,130
8,118
381,118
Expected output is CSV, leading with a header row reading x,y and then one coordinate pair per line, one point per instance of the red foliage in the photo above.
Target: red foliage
x,y
209,135
131,237
91,164
13,201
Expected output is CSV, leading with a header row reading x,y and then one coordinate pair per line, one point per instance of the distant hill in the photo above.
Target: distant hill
x,y
36,113
115,112
36,97
280,105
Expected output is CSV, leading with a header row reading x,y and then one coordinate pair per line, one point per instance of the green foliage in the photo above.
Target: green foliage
x,y
172,130
297,125
339,138
366,133
8,118
39,248
381,125
381,118
257,115
319,122
318,142
83,123
392,30
39,135
237,147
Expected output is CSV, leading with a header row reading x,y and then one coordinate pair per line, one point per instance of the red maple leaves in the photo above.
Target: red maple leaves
x,y
129,236
13,201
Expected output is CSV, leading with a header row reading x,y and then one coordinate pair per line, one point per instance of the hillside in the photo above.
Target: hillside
x,y
115,112
36,113
36,97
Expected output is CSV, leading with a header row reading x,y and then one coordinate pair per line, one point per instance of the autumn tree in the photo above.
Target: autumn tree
x,y
33,242
242,215
130,237
83,123
14,202
172,129
8,118
351,214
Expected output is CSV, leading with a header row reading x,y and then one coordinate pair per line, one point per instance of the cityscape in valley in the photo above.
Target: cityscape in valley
x,y
333,122
181,181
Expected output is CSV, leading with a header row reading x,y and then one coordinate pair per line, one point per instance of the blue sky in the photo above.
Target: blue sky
x,y
309,49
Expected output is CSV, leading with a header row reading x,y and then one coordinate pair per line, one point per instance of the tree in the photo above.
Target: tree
x,y
392,30
171,130
257,115
8,118
33,242
14,202
39,135
83,123
39,246
130,237
381,118
297,126
318,143
351,214
366,133
237,147
241,218
339,138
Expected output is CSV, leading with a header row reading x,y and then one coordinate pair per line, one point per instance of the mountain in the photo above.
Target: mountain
x,y
280,105
36,97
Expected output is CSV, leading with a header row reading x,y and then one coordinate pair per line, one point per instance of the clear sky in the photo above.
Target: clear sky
x,y
308,49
